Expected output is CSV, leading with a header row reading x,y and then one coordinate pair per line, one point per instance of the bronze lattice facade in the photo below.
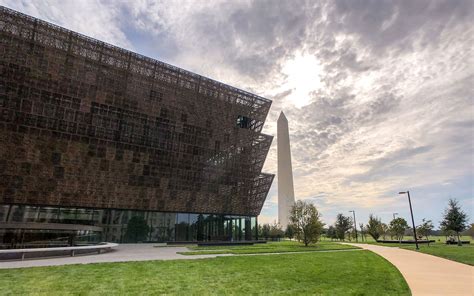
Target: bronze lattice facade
x,y
87,124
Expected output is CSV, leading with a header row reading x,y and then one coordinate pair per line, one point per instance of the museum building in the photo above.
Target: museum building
x,y
99,143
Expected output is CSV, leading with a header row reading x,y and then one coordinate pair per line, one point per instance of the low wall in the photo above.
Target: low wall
x,y
23,254
405,242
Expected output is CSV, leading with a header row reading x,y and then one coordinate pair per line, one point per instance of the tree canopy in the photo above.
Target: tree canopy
x,y
137,230
331,232
290,231
470,230
265,231
397,228
362,231
454,218
425,228
342,225
374,227
272,231
306,220
384,230
276,232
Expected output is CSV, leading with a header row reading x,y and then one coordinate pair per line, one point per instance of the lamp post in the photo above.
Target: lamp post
x,y
412,220
394,215
355,224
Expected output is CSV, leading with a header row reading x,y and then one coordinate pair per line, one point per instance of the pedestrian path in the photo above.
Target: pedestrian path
x,y
122,253
427,274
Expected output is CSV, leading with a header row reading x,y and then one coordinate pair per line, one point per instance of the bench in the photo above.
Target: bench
x,y
455,242
421,241
180,243
44,252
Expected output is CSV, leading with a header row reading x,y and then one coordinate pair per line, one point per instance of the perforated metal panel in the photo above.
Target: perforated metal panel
x,y
84,123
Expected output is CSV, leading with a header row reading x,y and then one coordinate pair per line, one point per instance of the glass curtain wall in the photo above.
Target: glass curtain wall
x,y
118,226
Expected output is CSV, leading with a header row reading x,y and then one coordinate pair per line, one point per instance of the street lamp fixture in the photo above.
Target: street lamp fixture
x,y
355,224
394,215
412,220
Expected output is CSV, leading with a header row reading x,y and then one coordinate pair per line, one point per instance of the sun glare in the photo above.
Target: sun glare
x,y
303,77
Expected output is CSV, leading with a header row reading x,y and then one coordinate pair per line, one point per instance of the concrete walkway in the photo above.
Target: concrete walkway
x,y
122,253
427,274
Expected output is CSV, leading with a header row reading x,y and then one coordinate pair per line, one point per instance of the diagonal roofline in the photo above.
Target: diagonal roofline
x,y
6,10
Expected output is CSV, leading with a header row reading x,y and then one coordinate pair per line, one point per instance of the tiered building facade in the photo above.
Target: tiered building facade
x,y
94,136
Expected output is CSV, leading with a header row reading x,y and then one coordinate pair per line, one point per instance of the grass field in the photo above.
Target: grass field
x,y
356,272
463,254
270,247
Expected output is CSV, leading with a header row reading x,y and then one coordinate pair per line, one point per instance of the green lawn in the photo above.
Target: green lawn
x,y
463,254
270,247
325,273
440,239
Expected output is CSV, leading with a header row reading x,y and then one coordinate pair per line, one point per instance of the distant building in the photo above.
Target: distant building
x,y
286,193
92,135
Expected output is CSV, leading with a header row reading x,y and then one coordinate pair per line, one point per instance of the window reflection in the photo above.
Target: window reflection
x,y
112,225
4,211
48,215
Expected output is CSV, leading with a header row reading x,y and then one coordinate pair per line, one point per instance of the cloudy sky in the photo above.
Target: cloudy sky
x,y
378,94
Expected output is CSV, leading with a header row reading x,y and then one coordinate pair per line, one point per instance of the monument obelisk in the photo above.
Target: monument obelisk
x,y
286,193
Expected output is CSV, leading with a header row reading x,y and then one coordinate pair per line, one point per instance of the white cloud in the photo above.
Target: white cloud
x,y
384,89
90,17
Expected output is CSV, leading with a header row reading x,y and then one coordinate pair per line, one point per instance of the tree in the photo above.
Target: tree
x,y
384,230
290,231
265,231
470,231
425,229
454,219
362,231
397,228
276,233
307,222
349,235
447,233
137,230
374,226
331,233
342,225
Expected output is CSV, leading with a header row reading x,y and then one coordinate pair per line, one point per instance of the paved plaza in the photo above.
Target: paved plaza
x,y
122,253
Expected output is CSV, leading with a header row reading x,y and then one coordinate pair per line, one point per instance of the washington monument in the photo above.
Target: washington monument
x,y
286,193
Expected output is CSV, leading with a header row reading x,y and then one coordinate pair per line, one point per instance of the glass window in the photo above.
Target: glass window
x,y
248,228
242,228
4,210
167,226
162,227
67,215
193,226
97,216
182,227
48,215
126,215
243,121
116,217
30,214
17,213
228,228
253,222
137,228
